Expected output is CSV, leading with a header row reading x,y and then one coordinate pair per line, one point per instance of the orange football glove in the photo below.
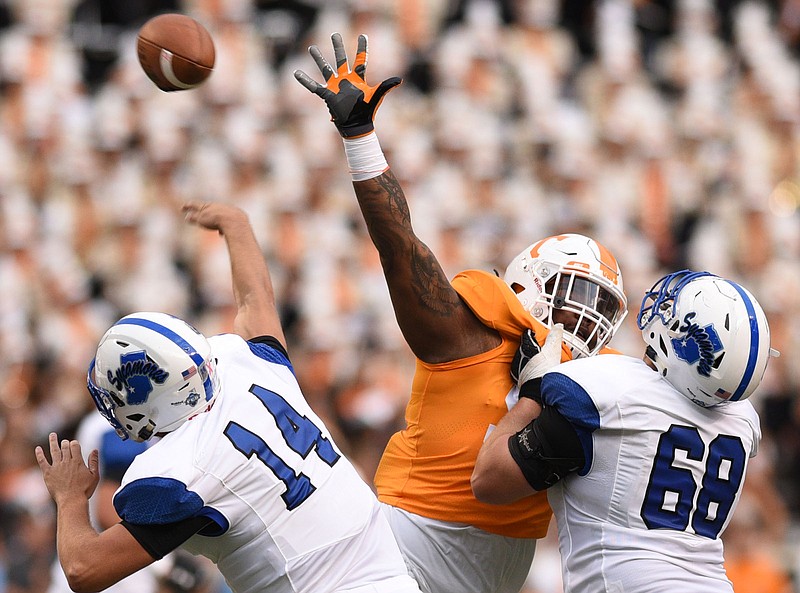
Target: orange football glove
x,y
351,101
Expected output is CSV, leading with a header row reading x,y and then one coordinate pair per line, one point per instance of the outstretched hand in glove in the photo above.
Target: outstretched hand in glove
x,y
351,101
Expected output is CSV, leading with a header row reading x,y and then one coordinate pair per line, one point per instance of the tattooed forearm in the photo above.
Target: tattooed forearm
x,y
410,266
398,205
435,322
430,284
386,213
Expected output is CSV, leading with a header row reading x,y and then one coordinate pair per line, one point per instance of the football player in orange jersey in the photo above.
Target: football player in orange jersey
x,y
465,335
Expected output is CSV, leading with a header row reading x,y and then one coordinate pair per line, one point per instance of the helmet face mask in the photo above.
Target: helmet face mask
x,y
706,335
571,279
151,373
105,402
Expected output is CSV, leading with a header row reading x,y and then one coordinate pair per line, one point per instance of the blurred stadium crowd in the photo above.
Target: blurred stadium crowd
x,y
667,130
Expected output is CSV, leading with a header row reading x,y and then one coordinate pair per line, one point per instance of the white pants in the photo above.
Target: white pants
x,y
448,557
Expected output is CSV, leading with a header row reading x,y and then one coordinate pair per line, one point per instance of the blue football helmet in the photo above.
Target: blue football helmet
x,y
152,372
706,335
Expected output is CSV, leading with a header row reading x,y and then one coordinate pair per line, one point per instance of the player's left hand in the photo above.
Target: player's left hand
x,y
351,101
68,477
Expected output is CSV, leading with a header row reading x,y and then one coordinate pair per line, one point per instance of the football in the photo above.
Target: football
x,y
175,51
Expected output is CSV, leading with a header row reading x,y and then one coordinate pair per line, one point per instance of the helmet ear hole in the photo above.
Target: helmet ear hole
x,y
517,287
662,346
718,361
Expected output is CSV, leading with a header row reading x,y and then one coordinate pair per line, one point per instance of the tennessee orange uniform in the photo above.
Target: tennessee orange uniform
x,y
426,468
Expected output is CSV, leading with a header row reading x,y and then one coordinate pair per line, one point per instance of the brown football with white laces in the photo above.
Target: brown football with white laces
x,y
175,51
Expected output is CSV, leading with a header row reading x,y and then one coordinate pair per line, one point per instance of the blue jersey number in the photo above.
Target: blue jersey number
x,y
670,501
300,434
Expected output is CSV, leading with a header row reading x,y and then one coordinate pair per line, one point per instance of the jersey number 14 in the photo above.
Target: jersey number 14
x,y
300,434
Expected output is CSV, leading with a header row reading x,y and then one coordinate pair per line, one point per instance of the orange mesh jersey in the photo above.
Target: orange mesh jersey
x,y
426,467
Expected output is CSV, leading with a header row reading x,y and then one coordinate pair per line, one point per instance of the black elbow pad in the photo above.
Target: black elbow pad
x,y
547,449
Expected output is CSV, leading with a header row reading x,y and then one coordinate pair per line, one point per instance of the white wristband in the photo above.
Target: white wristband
x,y
364,157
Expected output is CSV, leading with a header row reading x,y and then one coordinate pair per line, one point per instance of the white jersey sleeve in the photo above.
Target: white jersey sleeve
x,y
661,480
290,513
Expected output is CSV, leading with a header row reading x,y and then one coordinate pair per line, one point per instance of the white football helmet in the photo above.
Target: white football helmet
x,y
151,372
706,335
573,280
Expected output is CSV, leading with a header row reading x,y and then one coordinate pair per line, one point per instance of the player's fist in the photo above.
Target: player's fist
x,y
351,102
548,356
528,348
215,216
534,361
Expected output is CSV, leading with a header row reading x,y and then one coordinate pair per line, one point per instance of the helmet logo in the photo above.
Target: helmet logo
x,y
135,375
191,400
697,345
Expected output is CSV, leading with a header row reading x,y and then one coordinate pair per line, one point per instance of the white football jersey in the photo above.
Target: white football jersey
x,y
662,479
291,514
